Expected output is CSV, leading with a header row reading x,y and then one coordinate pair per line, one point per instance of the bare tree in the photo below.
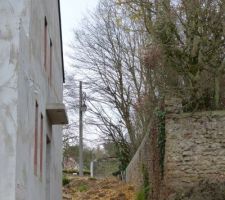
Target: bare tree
x,y
70,94
108,50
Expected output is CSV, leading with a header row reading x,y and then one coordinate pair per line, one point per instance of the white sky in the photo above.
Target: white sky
x,y
72,12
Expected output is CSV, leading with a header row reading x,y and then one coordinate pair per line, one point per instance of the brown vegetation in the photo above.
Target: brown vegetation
x,y
97,189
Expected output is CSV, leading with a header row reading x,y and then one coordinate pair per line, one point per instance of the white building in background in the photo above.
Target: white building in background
x,y
70,163
31,109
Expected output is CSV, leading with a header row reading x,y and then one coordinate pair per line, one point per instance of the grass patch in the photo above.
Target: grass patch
x,y
82,188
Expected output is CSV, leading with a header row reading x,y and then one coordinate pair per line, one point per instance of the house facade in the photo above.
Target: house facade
x,y
31,95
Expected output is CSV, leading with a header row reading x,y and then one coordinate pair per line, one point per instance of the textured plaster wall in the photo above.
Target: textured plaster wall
x,y
195,149
23,81
34,86
11,12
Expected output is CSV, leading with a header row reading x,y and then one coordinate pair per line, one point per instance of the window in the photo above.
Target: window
x,y
41,147
50,73
48,166
45,43
47,52
36,139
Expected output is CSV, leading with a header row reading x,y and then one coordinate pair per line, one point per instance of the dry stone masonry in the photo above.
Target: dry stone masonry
x,y
194,152
195,149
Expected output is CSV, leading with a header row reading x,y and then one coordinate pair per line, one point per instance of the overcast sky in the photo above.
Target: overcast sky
x,y
72,12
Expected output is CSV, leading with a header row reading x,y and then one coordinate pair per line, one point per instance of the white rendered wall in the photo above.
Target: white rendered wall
x,y
11,12
23,81
34,86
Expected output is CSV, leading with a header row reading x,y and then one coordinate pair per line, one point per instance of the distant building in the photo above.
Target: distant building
x,y
31,95
70,163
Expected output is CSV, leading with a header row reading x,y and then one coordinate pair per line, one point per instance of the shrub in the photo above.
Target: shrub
x,y
70,171
73,171
65,180
92,179
87,172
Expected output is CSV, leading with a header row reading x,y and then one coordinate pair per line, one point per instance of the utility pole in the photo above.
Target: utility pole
x,y
81,132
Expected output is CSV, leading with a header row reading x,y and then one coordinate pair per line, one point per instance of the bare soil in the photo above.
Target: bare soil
x,y
84,188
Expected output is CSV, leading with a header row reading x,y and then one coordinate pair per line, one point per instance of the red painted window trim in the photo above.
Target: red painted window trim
x,y
50,73
36,139
41,147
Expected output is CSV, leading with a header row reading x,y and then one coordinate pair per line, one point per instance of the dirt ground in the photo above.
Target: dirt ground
x,y
97,189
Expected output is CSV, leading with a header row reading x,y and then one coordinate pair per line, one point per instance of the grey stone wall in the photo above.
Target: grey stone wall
x,y
145,164
134,171
195,149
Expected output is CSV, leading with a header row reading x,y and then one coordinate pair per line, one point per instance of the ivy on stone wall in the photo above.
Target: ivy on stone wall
x,y
123,157
146,184
161,137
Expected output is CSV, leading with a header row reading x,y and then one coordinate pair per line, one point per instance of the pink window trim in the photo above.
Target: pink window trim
x,y
36,139
50,73
41,147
